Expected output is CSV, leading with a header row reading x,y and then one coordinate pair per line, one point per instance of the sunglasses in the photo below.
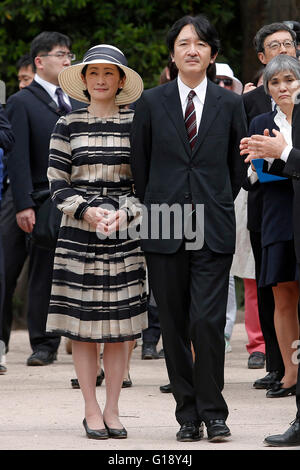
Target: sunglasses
x,y
226,81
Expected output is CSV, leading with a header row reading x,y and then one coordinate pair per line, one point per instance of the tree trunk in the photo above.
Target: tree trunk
x,y
254,15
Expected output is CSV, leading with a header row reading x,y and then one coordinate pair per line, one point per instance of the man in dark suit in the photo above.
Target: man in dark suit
x,y
270,40
6,144
14,239
33,113
186,169
286,163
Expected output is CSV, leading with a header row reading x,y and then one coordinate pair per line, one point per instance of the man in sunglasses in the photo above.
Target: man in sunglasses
x,y
226,79
33,112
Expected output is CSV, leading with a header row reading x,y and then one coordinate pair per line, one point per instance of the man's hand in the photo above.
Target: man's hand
x,y
249,87
263,146
26,220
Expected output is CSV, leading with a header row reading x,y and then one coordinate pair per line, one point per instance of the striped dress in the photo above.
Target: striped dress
x,y
99,289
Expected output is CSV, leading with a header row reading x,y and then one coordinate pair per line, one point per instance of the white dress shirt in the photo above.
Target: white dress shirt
x,y
198,99
50,89
286,130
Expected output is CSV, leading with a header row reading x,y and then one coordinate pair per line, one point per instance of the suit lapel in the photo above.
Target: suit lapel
x,y
210,109
36,89
172,104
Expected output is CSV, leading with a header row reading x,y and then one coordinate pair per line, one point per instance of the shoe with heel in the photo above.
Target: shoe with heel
x,y
116,433
95,433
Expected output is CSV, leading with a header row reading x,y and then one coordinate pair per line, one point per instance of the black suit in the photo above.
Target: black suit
x,y
257,102
292,169
32,118
191,286
6,143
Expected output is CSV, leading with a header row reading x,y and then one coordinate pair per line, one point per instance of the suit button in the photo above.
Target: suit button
x,y
187,195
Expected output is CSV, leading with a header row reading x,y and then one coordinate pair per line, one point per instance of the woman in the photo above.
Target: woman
x,y
99,281
279,268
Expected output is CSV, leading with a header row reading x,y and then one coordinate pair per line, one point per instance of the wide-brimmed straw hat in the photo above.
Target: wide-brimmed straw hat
x,y
71,82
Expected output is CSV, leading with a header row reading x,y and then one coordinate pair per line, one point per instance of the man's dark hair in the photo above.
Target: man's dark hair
x,y
205,30
25,61
267,30
45,41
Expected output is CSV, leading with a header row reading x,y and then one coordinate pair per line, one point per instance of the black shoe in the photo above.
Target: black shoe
x,y
41,358
99,380
217,430
3,369
116,433
190,431
127,382
277,391
149,351
161,354
291,437
256,360
166,388
95,433
268,381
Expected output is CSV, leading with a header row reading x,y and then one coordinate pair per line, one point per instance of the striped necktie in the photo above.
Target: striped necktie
x,y
63,106
190,119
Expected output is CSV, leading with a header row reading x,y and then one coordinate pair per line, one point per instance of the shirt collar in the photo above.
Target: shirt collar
x,y
49,87
184,90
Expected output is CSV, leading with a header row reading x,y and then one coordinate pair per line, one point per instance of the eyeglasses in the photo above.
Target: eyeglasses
x,y
275,45
61,55
226,81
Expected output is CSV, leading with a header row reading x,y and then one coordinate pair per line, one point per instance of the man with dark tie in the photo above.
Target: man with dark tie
x,y
33,112
185,156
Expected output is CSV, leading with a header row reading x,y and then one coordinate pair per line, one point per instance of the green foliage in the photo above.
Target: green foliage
x,y
137,27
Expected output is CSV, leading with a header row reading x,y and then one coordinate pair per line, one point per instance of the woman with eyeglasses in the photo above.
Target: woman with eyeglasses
x,y
281,81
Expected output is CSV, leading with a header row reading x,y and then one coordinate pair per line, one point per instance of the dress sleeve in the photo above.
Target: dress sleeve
x,y
66,198
133,207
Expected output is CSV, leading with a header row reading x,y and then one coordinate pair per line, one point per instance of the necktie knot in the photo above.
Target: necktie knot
x,y
63,106
191,95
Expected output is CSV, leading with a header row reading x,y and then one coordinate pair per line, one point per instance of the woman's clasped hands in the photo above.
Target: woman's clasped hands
x,y
105,221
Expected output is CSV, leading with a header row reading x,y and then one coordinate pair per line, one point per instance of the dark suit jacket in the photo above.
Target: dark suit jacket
x,y
256,102
277,196
291,169
32,122
165,169
6,133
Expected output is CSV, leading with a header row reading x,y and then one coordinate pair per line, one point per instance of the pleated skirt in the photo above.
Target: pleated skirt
x,y
278,264
99,289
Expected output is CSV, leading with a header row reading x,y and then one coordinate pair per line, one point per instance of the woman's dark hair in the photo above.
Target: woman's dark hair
x,y
205,30
83,72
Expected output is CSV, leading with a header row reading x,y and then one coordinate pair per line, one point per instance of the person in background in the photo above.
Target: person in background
x,y
256,346
286,163
25,69
279,265
271,40
6,144
33,112
14,239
